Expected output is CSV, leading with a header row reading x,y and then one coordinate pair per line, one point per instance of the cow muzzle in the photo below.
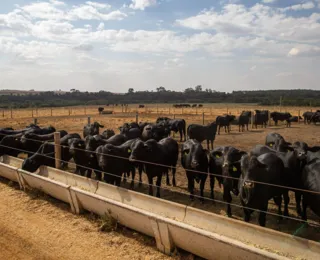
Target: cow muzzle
x,y
248,184
194,164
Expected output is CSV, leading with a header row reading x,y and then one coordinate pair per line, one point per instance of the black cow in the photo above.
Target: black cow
x,y
129,126
156,132
194,105
141,106
272,138
131,133
6,131
311,182
78,152
243,120
11,145
91,129
113,160
201,133
278,116
157,153
292,119
267,168
224,121
200,105
315,117
100,110
307,117
225,162
261,117
108,133
195,161
175,125
45,155
31,142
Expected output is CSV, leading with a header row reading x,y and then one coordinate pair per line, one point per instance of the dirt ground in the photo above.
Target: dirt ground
x,y
42,216
35,226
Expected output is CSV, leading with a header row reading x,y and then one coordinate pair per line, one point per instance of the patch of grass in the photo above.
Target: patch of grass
x,y
108,223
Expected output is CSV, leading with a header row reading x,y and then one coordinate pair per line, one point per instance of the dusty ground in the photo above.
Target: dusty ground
x,y
35,226
63,228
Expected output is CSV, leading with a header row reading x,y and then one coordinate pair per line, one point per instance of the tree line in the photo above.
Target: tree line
x,y
299,97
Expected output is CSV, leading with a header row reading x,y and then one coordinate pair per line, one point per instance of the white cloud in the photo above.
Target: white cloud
x,y
284,74
268,1
298,7
259,20
253,68
142,4
293,52
83,47
99,5
100,27
57,3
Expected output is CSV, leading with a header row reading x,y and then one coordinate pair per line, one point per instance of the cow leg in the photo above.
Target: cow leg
x,y
304,208
247,214
298,202
158,183
173,170
208,144
278,202
125,175
211,144
191,186
167,175
212,181
150,181
140,175
117,180
247,127
133,173
227,197
180,132
219,130
98,175
286,203
262,214
202,182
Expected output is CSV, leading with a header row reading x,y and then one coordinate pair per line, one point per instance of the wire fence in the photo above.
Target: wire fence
x,y
165,188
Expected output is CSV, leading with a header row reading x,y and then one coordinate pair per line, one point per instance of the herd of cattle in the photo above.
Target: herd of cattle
x,y
266,172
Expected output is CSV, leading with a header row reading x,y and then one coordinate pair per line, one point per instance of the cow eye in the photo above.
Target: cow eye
x,y
234,169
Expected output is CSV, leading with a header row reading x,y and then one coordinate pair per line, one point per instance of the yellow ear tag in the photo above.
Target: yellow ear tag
x,y
129,151
185,153
234,169
288,150
217,156
271,145
91,156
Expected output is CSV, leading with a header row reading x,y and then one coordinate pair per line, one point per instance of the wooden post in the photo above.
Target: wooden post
x,y
298,116
3,113
31,112
157,109
227,110
11,112
196,110
202,118
137,117
252,119
57,150
280,103
269,119
69,111
182,111
89,119
169,110
85,110
35,121
51,112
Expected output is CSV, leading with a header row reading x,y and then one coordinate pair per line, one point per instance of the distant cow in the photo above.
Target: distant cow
x,y
155,131
243,120
175,125
307,117
91,129
292,119
100,109
108,133
201,133
200,105
315,117
278,116
194,105
261,117
224,121
141,106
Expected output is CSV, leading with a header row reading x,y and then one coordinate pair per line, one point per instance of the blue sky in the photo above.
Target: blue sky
x,y
114,45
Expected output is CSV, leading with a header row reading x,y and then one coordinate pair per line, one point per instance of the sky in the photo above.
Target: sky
x,y
114,45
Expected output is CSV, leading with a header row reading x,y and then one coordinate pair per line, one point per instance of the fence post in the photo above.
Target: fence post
x,y
11,112
51,112
157,109
182,111
269,120
89,120
137,117
202,118
298,116
3,113
69,111
85,110
252,119
35,121
57,150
